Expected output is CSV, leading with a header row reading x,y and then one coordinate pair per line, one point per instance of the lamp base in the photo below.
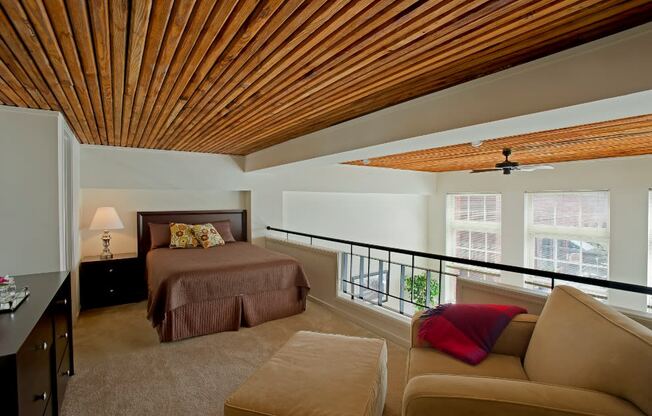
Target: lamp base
x,y
106,239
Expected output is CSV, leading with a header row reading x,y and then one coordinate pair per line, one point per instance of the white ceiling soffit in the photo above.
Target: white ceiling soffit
x,y
602,80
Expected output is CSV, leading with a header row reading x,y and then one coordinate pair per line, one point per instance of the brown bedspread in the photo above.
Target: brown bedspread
x,y
180,277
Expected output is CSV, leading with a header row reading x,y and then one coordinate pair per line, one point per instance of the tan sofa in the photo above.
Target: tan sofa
x,y
579,357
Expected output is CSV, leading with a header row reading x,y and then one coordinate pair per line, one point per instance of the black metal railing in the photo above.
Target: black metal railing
x,y
374,286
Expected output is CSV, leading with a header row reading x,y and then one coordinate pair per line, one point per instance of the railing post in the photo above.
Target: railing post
x,y
401,306
351,273
379,284
389,274
345,260
361,278
427,289
439,289
412,285
368,267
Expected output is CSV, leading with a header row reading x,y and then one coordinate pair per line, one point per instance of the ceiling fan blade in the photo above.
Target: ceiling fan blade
x,y
532,168
485,170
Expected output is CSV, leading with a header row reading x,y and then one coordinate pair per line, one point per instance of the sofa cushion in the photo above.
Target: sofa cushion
x,y
317,374
444,394
580,342
423,361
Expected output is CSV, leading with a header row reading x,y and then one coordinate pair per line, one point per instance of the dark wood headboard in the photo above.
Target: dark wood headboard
x,y
238,220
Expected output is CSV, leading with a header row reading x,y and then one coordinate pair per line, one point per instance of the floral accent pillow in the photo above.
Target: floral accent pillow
x,y
207,235
181,236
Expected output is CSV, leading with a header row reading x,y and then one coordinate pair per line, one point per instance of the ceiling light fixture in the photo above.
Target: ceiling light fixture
x,y
476,143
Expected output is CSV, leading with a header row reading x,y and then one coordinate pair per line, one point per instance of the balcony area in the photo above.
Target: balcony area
x,y
381,288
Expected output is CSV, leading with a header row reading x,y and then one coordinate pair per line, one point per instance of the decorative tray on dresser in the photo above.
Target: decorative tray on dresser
x,y
36,352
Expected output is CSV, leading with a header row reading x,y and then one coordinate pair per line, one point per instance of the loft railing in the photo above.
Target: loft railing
x,y
369,278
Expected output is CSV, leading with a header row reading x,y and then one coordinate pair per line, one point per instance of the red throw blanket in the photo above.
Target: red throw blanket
x,y
467,332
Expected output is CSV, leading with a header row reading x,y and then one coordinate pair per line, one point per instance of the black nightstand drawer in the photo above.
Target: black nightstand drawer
x,y
111,282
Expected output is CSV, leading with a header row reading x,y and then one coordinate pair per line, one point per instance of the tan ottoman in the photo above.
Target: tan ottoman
x,y
317,374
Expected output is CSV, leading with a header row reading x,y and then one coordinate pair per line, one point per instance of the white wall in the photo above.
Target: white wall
x,y
385,219
129,201
29,205
133,180
628,181
138,179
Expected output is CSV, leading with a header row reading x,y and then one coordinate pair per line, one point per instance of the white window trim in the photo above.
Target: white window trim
x,y
452,226
597,235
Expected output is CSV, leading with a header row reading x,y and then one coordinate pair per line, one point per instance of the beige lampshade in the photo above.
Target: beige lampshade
x,y
106,218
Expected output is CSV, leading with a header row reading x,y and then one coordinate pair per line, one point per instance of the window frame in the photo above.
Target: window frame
x,y
585,234
453,226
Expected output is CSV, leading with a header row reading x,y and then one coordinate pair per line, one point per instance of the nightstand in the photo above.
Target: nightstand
x,y
107,282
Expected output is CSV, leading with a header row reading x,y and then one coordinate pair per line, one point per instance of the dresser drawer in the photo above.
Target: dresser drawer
x,y
61,334
63,375
48,408
33,369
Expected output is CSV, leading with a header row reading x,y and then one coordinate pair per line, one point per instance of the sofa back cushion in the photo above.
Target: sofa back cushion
x,y
580,342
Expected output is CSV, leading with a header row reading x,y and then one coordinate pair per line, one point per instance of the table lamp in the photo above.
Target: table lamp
x,y
106,218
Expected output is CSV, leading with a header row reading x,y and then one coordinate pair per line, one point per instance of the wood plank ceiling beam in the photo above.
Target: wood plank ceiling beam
x,y
425,83
238,76
340,93
616,138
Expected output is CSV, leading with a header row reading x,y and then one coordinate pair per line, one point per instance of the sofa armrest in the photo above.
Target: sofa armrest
x,y
440,394
414,331
516,336
513,341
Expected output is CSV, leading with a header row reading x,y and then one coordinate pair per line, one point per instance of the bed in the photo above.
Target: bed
x,y
199,291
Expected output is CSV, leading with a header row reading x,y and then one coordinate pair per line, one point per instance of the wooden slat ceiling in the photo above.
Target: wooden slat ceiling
x,y
238,76
616,138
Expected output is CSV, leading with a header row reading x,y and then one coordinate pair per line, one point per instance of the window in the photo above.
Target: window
x,y
568,233
473,230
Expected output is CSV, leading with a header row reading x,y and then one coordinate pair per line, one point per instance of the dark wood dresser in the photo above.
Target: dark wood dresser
x,y
36,353
108,282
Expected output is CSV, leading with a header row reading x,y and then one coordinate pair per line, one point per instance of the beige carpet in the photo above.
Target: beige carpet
x,y
122,369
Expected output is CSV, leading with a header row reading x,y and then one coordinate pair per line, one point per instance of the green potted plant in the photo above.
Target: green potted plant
x,y
418,282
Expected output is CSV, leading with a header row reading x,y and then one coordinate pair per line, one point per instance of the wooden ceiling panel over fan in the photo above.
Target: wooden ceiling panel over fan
x,y
630,136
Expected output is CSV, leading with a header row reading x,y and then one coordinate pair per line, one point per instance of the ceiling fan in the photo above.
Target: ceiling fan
x,y
507,166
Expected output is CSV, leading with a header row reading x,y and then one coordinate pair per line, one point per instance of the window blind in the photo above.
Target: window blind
x,y
473,230
568,232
